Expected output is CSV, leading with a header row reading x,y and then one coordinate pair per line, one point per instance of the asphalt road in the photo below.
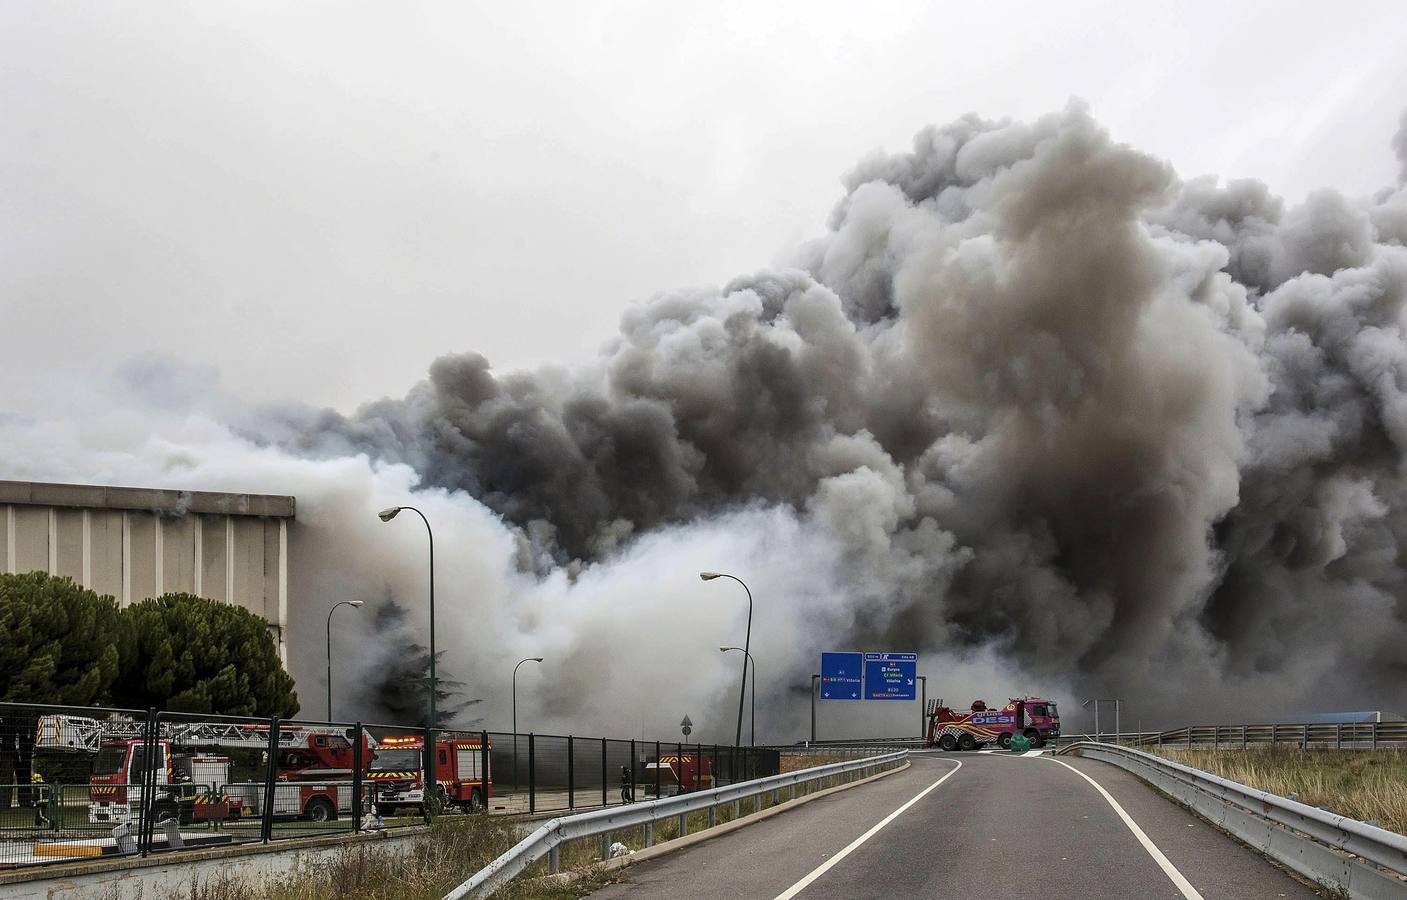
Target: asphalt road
x,y
999,826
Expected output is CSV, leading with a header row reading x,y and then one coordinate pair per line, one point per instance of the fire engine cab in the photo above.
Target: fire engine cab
x,y
462,769
1036,719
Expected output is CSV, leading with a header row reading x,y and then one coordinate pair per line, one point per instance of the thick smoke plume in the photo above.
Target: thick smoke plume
x,y
1032,406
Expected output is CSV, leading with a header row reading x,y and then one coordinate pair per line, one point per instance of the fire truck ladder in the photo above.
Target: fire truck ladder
x,y
80,733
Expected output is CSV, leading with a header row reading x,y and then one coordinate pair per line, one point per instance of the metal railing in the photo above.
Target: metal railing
x,y
548,838
1333,850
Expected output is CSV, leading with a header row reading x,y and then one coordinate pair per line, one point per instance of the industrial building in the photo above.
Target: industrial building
x,y
135,543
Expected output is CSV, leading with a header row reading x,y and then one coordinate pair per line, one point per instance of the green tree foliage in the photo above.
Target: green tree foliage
x,y
403,689
204,656
59,642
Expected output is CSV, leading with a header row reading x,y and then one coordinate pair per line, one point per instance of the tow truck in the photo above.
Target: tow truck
x,y
1036,719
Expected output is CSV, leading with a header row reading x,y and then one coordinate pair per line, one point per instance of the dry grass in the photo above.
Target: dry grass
x,y
455,848
798,761
1370,785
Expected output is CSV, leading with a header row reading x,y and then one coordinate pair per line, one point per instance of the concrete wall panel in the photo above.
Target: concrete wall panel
x,y
31,539
6,564
142,527
249,564
212,558
178,554
69,552
105,551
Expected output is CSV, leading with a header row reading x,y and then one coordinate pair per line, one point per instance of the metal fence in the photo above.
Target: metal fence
x,y
86,782
1310,736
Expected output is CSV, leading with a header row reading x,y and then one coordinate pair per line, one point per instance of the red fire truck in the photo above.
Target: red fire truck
x,y
314,766
462,769
678,774
1036,719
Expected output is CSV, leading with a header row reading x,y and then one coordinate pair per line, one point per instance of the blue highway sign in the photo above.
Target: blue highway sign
x,y
891,676
840,676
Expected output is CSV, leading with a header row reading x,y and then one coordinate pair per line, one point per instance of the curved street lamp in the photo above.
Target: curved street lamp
x,y
536,659
387,515
747,647
355,604
753,742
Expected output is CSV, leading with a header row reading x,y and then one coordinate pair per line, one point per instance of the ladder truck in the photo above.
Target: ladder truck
x,y
192,784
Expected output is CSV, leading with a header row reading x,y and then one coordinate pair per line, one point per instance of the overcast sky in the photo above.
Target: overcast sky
x,y
318,198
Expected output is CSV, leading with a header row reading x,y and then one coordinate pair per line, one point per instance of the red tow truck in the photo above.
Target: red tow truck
x,y
1036,719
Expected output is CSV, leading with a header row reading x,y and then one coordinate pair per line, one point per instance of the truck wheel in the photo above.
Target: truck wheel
x,y
1034,737
967,742
1004,740
164,812
947,742
476,801
319,809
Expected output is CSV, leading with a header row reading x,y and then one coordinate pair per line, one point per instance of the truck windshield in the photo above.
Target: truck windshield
x,y
109,761
396,761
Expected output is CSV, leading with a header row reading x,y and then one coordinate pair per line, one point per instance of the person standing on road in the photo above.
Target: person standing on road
x,y
627,785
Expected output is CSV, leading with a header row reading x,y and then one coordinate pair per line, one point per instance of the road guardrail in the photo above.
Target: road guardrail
x,y
546,840
1333,850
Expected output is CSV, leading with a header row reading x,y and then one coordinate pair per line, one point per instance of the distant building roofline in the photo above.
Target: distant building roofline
x,y
155,500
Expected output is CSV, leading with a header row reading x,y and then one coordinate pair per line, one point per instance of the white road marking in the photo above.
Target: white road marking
x,y
986,751
825,867
1183,885
1034,753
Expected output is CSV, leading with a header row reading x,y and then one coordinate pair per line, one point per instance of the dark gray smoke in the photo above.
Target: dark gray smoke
x,y
1134,433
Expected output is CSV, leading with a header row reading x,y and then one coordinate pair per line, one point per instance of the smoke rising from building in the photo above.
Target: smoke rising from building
x,y
1032,406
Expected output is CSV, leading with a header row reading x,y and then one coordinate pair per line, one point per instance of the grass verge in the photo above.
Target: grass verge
x,y
452,850
1369,785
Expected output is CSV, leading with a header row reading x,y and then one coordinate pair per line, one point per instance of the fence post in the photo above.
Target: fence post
x,y
532,774
657,770
633,760
571,772
605,781
485,776
1375,735
1304,737
679,755
266,823
430,782
357,764
151,744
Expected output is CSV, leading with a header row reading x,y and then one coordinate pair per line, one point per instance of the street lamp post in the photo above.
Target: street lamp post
x,y
387,515
747,648
1096,701
536,659
355,604
753,728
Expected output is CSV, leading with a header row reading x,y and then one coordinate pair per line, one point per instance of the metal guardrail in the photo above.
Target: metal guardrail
x,y
546,840
1333,850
